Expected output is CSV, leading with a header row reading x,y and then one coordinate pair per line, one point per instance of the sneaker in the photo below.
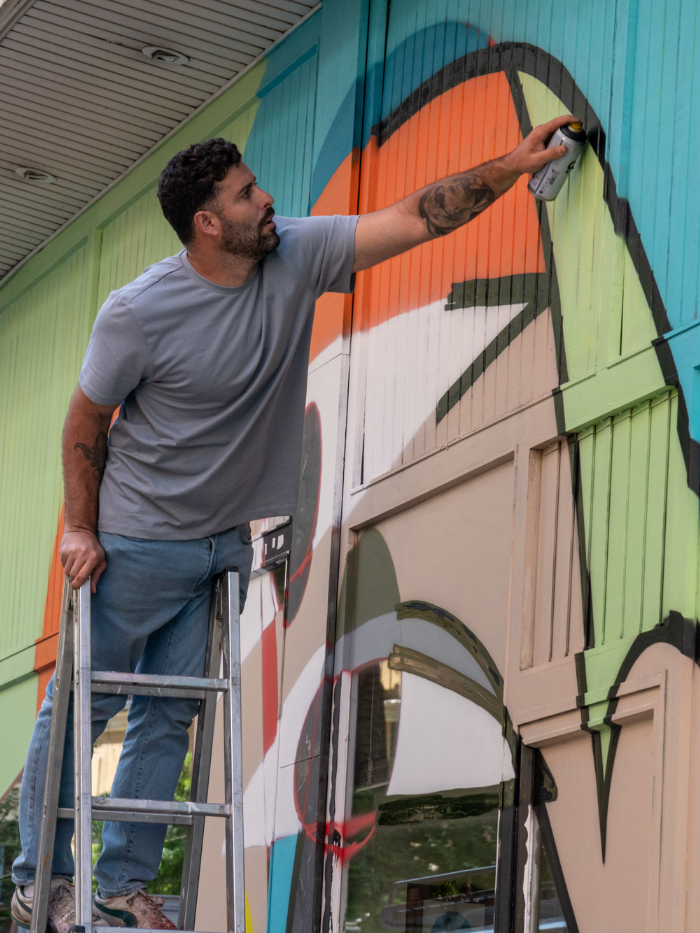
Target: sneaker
x,y
61,915
137,909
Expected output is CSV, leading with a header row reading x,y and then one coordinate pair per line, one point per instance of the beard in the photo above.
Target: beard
x,y
250,242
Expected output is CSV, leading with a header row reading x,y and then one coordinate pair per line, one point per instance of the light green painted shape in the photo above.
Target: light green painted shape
x,y
640,519
17,706
42,341
604,310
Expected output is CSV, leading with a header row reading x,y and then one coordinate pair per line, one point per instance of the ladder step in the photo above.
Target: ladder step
x,y
121,816
159,685
125,810
158,931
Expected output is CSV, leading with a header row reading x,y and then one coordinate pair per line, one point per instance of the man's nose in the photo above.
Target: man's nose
x,y
266,200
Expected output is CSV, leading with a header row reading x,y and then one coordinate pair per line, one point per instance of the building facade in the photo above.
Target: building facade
x,y
469,660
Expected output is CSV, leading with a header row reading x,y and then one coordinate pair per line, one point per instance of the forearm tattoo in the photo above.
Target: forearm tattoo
x,y
97,455
450,203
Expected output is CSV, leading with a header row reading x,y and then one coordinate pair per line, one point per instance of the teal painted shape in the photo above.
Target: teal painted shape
x,y
289,51
421,54
342,67
281,870
279,146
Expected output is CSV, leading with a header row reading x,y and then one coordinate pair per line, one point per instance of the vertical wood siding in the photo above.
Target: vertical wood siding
x,y
42,341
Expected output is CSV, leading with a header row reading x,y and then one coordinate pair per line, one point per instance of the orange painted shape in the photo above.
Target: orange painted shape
x,y
47,644
467,125
333,311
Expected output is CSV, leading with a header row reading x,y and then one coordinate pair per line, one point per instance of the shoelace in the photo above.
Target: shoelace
x,y
63,897
156,902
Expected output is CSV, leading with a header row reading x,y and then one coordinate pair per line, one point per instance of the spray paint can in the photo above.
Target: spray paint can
x,y
548,182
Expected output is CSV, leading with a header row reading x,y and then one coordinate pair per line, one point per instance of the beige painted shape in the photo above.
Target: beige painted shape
x,y
251,702
256,894
614,895
211,898
692,917
454,551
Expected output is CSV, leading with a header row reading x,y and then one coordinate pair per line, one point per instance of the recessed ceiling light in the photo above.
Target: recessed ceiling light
x,y
36,176
168,56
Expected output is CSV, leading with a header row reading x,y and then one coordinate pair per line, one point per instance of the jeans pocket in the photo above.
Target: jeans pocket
x,y
245,532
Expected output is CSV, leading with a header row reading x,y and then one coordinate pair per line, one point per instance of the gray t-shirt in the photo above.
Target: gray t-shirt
x,y
212,385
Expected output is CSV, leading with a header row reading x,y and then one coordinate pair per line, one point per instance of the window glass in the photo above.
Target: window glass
x,y
424,863
551,915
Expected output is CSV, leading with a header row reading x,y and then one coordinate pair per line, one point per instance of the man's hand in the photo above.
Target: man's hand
x,y
449,203
82,556
531,155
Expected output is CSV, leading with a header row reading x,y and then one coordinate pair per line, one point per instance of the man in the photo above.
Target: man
x,y
206,356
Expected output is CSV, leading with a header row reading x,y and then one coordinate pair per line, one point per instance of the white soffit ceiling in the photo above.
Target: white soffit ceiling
x,y
81,102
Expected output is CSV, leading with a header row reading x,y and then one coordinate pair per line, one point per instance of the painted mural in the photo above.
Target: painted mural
x,y
495,555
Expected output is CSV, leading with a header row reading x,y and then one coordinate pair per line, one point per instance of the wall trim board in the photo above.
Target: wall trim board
x,y
557,721
28,286
484,466
145,171
17,667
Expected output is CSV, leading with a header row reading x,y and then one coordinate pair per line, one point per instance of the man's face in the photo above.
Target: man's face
x,y
245,215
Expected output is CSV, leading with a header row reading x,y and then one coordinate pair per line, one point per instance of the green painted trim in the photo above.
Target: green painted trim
x,y
17,667
612,389
4,304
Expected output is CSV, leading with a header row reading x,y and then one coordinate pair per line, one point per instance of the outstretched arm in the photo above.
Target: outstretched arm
x,y
447,204
84,456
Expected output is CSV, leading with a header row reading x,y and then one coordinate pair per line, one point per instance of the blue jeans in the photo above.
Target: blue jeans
x,y
150,614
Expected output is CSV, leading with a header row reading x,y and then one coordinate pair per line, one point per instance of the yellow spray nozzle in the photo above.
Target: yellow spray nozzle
x,y
576,126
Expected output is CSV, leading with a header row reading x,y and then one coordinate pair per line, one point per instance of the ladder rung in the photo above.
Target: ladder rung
x,y
121,816
124,809
160,685
185,807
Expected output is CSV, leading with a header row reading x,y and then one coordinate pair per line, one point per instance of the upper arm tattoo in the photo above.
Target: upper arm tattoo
x,y
97,455
452,202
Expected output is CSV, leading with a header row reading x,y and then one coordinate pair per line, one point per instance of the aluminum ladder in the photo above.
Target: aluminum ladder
x,y
73,658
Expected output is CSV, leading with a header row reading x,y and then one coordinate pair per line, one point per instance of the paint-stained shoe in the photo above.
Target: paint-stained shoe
x,y
138,909
61,913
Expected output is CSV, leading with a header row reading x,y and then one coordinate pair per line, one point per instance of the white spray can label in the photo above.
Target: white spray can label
x,y
548,182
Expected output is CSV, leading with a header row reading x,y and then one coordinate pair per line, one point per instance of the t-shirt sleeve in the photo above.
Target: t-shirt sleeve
x,y
117,357
321,250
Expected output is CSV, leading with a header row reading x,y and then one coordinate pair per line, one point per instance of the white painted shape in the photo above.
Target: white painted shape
x,y
294,711
323,391
254,811
325,356
412,360
269,604
445,742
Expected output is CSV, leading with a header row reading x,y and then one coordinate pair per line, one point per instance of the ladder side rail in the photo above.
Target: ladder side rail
x,y
201,766
82,715
54,766
235,876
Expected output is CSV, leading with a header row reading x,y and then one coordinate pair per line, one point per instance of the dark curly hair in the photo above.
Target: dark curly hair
x,y
188,182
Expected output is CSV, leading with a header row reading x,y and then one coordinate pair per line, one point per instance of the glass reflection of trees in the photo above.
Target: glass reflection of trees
x,y
421,863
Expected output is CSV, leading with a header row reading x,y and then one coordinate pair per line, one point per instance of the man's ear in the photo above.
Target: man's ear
x,y
207,223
